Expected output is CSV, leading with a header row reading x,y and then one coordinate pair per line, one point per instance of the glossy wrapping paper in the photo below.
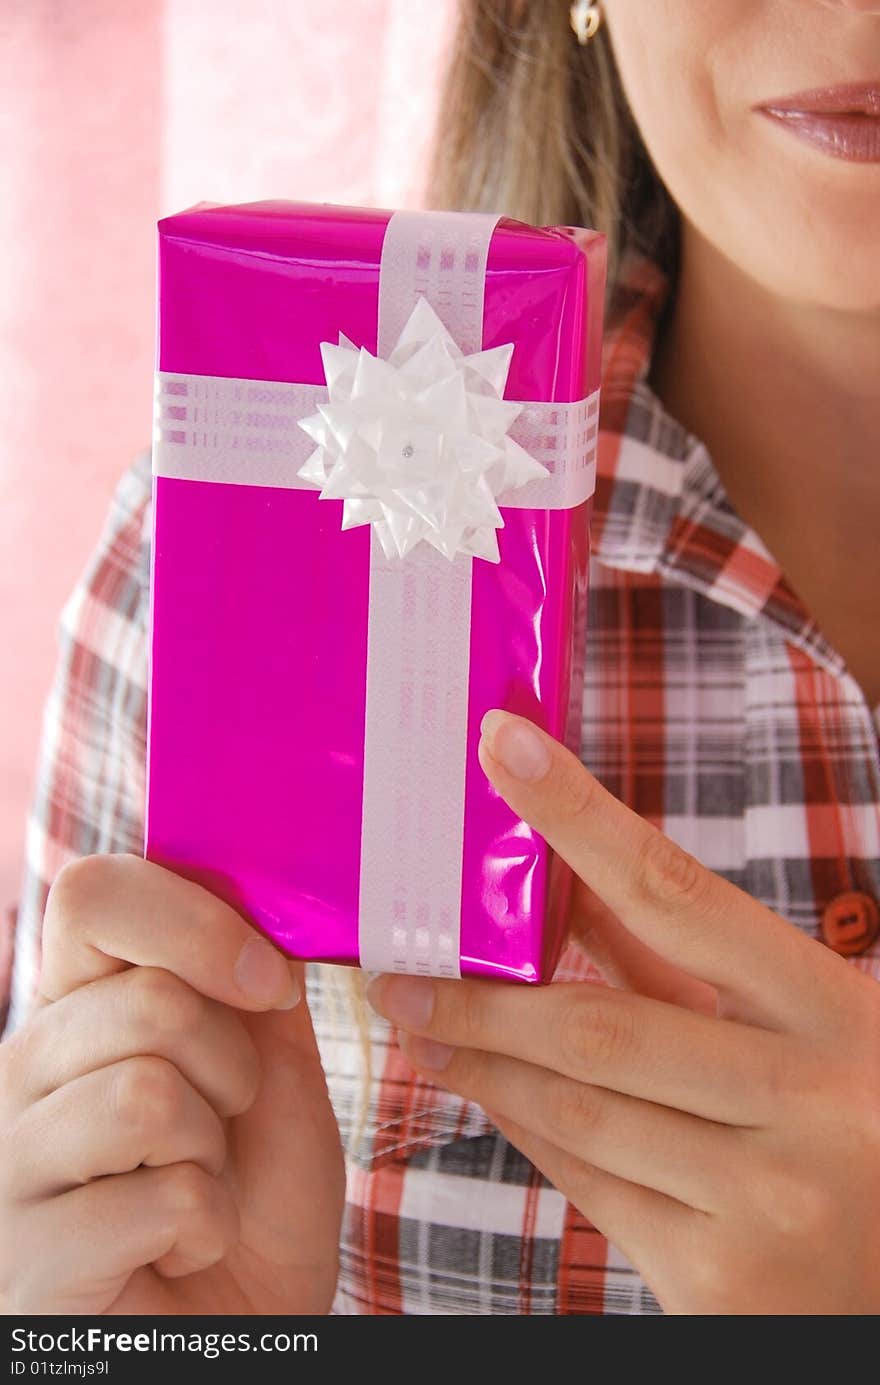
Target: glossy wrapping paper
x,y
260,600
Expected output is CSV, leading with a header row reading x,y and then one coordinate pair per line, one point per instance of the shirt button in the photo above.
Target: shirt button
x,y
850,923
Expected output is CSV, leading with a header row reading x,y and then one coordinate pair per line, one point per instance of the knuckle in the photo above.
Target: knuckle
x,y
804,1209
781,1083
573,1107
795,1207
75,889
668,875
148,1094
192,1192
163,1006
575,1028
80,885
712,1278
596,1031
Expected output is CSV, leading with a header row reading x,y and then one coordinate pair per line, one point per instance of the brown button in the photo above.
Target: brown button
x,y
850,923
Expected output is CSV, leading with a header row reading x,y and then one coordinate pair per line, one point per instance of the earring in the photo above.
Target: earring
x,y
585,20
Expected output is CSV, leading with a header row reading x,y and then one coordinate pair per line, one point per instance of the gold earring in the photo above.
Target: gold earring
x,y
585,20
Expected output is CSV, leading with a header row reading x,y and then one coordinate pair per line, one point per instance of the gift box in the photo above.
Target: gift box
x,y
374,456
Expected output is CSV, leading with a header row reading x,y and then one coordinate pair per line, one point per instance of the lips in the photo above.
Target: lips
x,y
852,98
841,121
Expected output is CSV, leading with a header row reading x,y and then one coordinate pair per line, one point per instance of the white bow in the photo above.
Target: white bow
x,y
417,444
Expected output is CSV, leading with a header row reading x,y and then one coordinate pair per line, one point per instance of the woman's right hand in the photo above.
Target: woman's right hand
x,y
168,1144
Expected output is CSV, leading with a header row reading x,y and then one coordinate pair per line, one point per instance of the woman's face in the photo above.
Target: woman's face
x,y
804,223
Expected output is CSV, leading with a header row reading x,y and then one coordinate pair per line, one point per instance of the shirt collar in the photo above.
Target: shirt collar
x,y
660,506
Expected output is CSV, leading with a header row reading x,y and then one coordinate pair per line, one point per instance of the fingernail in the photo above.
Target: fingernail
x,y
294,997
426,1053
263,974
404,1000
516,746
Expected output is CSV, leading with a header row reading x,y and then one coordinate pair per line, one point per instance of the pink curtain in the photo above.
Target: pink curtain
x,y
113,115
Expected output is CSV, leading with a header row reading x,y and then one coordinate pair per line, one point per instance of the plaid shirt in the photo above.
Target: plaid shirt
x,y
713,706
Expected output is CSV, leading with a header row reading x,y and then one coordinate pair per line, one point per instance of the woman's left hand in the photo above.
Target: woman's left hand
x,y
718,1120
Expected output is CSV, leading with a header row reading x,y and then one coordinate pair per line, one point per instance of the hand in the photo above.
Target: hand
x,y
168,1143
720,1124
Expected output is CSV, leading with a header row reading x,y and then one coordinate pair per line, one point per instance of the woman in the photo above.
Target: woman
x,y
702,1134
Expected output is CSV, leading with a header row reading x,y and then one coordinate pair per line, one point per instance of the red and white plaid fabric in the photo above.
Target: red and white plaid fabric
x,y
713,706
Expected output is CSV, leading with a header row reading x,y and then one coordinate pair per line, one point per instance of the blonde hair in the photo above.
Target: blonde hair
x,y
534,125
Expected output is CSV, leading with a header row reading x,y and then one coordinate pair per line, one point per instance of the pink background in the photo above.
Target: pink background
x,y
113,115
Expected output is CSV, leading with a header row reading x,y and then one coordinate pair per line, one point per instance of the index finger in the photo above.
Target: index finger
x,y
661,893
107,912
649,1049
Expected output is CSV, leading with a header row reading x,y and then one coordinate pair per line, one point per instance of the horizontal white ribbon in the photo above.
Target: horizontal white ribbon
x,y
246,433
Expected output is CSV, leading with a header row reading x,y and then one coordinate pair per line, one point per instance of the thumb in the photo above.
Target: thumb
x,y
287,1147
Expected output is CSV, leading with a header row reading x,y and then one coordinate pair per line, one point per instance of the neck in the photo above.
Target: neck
x,y
785,396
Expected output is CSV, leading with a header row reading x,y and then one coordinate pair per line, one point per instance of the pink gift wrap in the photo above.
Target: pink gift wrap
x,y
260,599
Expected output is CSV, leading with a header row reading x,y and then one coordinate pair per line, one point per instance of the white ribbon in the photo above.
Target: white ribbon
x,y
525,454
247,433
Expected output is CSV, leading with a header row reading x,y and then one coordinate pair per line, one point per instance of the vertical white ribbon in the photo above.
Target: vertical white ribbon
x,y
418,651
